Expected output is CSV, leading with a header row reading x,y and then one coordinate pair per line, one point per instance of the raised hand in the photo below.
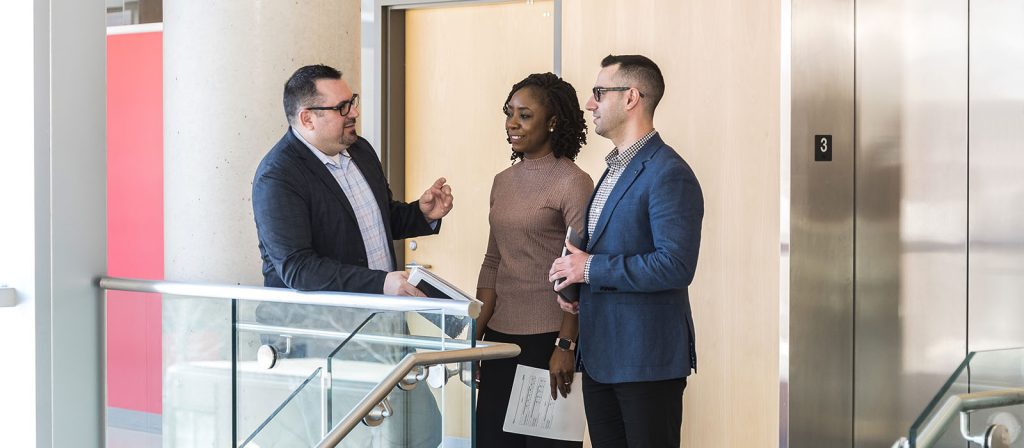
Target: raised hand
x,y
436,202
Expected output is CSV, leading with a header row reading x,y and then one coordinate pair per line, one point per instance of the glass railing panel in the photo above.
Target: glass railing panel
x,y
998,370
957,383
296,420
278,346
979,372
197,391
458,394
245,371
367,358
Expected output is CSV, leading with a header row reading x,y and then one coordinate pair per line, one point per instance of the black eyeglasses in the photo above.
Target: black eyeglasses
x,y
600,90
343,107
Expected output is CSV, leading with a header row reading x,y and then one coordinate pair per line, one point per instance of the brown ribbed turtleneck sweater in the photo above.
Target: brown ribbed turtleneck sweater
x,y
532,202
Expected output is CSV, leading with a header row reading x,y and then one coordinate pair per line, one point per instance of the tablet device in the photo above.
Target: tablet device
x,y
438,288
572,292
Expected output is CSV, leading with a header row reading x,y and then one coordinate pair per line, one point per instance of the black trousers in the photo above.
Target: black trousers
x,y
635,415
496,377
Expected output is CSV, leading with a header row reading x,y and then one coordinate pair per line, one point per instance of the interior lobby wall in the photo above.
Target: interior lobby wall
x,y
721,61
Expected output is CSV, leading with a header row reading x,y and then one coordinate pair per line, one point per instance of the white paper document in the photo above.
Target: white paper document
x,y
532,412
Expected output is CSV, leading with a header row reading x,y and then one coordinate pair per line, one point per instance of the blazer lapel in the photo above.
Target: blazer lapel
x,y
315,166
586,218
626,180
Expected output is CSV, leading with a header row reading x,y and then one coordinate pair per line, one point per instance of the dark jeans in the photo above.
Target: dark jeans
x,y
496,377
635,415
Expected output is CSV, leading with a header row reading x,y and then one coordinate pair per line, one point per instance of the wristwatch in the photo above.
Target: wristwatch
x,y
565,344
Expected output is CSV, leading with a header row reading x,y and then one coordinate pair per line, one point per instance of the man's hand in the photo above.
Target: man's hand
x,y
568,307
561,369
569,267
436,202
397,284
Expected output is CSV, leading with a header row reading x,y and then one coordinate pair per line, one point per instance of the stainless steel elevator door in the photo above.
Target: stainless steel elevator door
x,y
911,210
938,231
996,207
996,174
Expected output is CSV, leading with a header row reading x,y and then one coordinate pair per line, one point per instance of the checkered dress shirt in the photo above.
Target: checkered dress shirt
x,y
617,161
357,190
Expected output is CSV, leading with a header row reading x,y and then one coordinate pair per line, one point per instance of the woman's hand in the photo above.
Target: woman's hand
x,y
562,367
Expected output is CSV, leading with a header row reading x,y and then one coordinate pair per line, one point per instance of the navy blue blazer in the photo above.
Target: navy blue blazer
x,y
308,233
635,320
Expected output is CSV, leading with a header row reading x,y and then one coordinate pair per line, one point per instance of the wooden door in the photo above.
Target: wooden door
x,y
461,63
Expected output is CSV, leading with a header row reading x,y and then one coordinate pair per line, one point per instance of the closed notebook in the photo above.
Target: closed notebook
x,y
572,292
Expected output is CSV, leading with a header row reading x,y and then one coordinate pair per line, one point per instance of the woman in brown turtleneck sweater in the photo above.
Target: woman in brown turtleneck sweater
x,y
532,203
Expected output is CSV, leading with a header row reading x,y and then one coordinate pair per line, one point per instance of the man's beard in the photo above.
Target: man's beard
x,y
347,138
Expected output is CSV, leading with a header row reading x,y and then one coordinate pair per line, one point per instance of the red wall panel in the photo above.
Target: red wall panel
x,y
135,222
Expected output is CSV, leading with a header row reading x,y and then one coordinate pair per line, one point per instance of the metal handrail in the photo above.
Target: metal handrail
x,y
483,351
406,341
281,295
929,435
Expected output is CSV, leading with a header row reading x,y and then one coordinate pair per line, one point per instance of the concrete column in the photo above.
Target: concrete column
x,y
225,64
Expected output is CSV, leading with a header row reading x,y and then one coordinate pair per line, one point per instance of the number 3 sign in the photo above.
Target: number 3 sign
x,y
822,148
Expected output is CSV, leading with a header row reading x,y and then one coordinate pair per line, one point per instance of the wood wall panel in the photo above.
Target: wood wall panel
x,y
721,112
461,63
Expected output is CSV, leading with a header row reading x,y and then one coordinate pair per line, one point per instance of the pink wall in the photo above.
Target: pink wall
x,y
135,219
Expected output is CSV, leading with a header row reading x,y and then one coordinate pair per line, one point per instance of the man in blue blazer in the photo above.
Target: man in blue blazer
x,y
636,342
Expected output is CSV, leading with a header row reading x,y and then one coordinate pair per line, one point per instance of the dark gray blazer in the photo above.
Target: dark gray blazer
x,y
635,321
308,235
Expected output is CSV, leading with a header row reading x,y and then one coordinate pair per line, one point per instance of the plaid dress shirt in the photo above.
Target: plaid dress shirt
x,y
357,190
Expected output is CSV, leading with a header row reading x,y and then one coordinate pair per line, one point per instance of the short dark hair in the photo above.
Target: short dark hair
x,y
560,98
300,89
642,71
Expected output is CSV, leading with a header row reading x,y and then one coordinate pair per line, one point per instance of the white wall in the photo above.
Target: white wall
x,y
52,224
17,230
77,233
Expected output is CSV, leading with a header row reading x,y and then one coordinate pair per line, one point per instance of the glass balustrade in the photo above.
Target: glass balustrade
x,y
996,371
275,373
197,372
294,421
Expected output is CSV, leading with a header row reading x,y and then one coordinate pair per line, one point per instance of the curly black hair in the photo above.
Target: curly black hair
x,y
560,98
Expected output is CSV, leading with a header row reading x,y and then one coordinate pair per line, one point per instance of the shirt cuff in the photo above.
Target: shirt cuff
x,y
433,224
586,270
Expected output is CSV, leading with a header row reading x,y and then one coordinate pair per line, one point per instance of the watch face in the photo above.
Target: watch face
x,y
564,344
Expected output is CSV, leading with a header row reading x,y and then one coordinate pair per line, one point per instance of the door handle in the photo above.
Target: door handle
x,y
414,264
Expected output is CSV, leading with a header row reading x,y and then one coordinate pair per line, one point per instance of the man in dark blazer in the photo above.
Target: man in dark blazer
x,y
636,342
324,213
325,219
